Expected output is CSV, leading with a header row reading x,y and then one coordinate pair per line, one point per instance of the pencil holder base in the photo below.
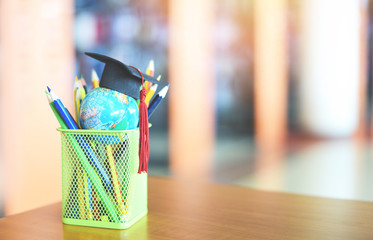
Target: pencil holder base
x,y
88,223
100,183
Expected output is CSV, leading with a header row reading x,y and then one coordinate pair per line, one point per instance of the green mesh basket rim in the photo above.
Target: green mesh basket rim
x,y
97,131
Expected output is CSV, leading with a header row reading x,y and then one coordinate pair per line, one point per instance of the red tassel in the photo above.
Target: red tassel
x,y
144,133
143,128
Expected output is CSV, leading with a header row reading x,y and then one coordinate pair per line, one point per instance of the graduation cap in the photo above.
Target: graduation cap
x,y
122,78
126,79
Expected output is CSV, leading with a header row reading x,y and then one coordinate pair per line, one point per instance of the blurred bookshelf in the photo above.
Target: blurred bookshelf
x,y
234,68
137,31
234,71
133,32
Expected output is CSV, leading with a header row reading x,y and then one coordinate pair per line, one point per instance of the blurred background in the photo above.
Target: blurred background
x,y
268,94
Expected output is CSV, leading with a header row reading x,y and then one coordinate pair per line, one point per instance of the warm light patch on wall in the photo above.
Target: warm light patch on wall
x,y
191,54
36,46
270,72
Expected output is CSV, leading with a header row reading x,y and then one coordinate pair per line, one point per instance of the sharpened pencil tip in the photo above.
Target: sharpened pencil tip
x,y
94,75
151,65
49,90
83,81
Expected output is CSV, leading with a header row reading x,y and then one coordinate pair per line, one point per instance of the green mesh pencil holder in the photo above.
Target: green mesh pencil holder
x,y
100,183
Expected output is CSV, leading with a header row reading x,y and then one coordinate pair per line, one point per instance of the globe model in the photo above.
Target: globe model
x,y
105,109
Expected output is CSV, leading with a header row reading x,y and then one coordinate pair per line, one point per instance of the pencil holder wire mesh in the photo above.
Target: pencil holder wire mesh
x,y
100,183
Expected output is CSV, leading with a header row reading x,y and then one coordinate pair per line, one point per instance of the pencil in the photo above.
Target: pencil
x,y
70,201
77,99
80,189
59,119
151,92
88,196
116,184
63,113
84,84
81,140
150,72
160,96
95,79
81,148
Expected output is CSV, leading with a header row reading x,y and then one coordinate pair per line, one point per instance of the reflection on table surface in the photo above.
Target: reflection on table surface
x,y
330,168
137,231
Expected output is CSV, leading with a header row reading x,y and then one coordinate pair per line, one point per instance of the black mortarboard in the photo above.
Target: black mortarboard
x,y
121,77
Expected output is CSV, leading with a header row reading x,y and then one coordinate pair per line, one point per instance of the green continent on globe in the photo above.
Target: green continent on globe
x,y
105,109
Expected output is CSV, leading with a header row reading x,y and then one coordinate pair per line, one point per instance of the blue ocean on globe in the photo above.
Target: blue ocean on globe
x,y
105,109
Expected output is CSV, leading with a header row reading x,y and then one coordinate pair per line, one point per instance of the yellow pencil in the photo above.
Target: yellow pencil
x,y
150,94
150,72
83,188
150,68
75,106
81,89
84,84
95,79
80,189
88,196
116,184
152,90
76,99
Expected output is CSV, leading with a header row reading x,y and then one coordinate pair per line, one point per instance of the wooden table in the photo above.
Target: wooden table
x,y
189,210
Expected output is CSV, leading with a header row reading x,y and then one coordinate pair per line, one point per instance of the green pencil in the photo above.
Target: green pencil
x,y
92,175
59,119
94,178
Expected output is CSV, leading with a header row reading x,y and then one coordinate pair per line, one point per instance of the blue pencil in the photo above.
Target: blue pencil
x,y
154,104
68,119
